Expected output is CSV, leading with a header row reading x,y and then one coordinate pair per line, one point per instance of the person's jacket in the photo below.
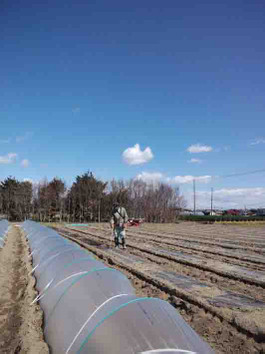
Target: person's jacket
x,y
119,217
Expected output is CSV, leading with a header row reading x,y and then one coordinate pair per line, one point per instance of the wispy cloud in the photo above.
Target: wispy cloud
x,y
258,141
22,138
150,177
197,148
229,198
5,141
134,155
155,177
189,179
195,161
8,159
76,110
25,163
223,148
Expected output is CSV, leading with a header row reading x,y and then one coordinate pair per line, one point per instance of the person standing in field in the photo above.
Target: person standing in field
x,y
118,223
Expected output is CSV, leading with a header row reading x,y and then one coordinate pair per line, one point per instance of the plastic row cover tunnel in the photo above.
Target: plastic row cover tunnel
x,y
3,232
91,308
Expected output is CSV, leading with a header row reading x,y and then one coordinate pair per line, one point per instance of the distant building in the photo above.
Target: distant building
x,y
209,212
243,212
260,212
186,212
219,212
198,212
232,212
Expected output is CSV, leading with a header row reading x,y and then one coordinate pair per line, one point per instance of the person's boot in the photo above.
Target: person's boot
x,y
123,244
116,242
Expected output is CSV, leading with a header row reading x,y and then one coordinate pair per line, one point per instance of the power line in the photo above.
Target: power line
x,y
212,178
224,176
194,196
243,173
231,175
211,201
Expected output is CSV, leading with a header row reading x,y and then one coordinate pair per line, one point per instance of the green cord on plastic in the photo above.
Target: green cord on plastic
x,y
75,281
109,315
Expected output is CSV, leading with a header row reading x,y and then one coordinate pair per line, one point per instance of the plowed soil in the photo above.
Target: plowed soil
x,y
213,274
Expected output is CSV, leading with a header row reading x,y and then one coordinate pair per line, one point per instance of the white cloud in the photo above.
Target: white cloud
x,y
26,136
134,155
188,179
197,148
152,177
258,141
195,161
8,159
25,163
229,198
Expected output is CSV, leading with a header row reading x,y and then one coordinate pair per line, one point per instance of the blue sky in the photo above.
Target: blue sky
x,y
84,81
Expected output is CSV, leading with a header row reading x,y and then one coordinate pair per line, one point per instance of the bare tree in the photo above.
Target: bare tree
x,y
89,199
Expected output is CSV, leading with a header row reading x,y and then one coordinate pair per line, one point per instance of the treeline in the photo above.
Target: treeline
x,y
15,199
87,200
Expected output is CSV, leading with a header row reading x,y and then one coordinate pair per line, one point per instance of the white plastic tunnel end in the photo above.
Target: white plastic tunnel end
x,y
31,254
170,351
33,270
43,293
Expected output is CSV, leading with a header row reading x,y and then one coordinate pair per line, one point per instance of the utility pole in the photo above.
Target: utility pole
x,y
211,201
194,197
99,210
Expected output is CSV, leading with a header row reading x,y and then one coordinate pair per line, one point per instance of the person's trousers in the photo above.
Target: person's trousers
x,y
119,235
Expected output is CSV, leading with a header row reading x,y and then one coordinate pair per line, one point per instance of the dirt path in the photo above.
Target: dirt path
x,y
20,323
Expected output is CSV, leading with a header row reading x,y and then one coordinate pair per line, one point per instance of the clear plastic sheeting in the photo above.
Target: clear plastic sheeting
x,y
141,324
3,232
168,351
91,308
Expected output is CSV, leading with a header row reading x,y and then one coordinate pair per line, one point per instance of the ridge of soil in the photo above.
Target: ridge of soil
x,y
20,322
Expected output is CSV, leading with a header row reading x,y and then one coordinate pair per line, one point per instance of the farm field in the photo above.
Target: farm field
x,y
213,274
